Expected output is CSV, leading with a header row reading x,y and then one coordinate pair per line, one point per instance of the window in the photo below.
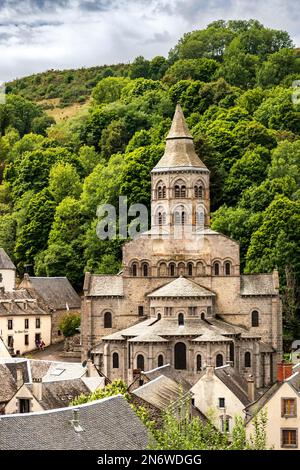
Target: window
x,y
10,341
161,218
216,268
115,359
219,360
107,320
177,191
37,339
289,438
254,318
58,333
190,269
288,407
1,277
180,356
141,310
158,316
183,191
172,269
140,362
26,323
221,402
199,362
247,359
181,319
145,268
24,405
202,316
134,269
9,324
161,192
160,360
200,218
225,421
231,352
227,268
180,218
198,191
183,218
26,340
192,311
38,323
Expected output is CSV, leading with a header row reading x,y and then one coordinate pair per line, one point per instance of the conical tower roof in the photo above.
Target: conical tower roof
x,y
180,150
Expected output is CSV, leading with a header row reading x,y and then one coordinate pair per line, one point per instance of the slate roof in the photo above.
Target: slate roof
x,y
179,150
160,392
106,286
234,382
257,284
108,424
168,371
56,292
59,394
181,287
5,261
8,385
20,302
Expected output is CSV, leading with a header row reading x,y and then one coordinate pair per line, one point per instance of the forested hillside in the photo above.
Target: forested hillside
x,y
234,82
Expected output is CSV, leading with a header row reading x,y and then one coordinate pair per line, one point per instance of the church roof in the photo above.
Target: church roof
x,y
106,286
5,261
180,150
148,337
181,287
258,284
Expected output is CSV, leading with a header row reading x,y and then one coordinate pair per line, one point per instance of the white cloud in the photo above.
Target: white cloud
x,y
36,35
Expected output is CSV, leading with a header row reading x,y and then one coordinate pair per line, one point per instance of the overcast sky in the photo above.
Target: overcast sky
x,y
37,35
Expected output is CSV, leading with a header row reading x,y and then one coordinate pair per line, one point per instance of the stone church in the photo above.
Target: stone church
x,y
180,297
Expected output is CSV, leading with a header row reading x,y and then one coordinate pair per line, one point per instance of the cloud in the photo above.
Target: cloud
x,y
36,35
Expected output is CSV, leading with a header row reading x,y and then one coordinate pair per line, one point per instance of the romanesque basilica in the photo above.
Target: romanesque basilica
x,y
180,298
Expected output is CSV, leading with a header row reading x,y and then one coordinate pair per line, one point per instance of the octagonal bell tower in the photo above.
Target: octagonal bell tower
x,y
180,182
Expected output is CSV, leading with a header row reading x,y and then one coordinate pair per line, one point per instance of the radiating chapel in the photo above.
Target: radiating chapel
x,y
180,297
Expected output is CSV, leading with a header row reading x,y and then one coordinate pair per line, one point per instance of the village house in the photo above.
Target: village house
x,y
107,424
180,298
57,296
281,403
29,385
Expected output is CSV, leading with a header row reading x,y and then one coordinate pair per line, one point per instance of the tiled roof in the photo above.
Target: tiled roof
x,y
108,424
8,385
181,287
60,393
180,150
168,371
106,286
20,302
160,392
56,292
148,338
5,261
257,284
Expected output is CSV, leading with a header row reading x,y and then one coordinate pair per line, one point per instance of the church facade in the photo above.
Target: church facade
x,y
180,297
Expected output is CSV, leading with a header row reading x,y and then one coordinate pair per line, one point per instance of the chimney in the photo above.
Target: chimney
x,y
251,388
75,421
275,276
209,372
37,388
20,378
90,369
284,371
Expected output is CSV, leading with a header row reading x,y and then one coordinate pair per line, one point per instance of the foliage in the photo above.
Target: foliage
x,y
69,324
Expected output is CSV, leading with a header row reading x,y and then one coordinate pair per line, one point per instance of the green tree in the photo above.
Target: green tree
x,y
191,69
64,181
69,324
140,67
109,89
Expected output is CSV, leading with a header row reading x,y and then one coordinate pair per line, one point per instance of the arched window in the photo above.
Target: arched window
x,y
160,360
172,269
183,218
145,268
200,218
161,218
177,191
190,269
231,352
107,320
115,359
216,268
202,316
199,362
161,192
198,191
140,362
183,191
181,319
158,316
177,218
254,318
180,356
134,269
219,360
247,359
227,268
